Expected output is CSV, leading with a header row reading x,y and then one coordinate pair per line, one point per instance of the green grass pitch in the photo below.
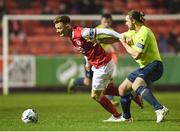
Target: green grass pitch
x,y
78,112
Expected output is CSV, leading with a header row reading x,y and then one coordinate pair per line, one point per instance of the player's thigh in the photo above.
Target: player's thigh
x,y
100,81
152,72
102,76
148,74
125,87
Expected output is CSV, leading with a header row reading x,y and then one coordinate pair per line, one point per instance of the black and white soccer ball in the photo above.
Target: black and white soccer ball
x,y
29,116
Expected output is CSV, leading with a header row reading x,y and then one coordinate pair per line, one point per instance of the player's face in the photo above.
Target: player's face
x,y
106,22
129,23
62,29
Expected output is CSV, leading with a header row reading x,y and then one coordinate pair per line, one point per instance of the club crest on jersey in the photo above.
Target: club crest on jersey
x,y
78,42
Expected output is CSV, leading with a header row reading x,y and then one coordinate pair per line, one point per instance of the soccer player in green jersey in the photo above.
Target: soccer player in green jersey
x,y
140,42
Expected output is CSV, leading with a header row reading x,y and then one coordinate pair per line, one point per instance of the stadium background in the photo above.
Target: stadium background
x,y
50,61
42,61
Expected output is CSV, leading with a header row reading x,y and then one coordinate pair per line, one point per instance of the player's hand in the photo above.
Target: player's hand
x,y
88,66
123,39
126,40
129,41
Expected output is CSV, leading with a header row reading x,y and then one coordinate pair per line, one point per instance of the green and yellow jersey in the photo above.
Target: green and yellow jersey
x,y
145,42
106,47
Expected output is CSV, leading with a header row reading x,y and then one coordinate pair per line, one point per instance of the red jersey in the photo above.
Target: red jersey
x,y
95,54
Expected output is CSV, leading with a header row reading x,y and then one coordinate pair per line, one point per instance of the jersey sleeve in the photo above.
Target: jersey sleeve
x,y
108,32
92,32
103,36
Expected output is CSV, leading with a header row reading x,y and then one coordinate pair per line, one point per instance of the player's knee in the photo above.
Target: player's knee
x,y
137,83
96,96
93,96
87,81
134,86
121,91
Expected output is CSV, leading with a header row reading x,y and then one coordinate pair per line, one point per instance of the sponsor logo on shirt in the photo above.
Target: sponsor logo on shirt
x,y
78,42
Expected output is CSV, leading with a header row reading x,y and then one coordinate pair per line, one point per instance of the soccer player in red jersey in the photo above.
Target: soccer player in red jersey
x,y
105,22
102,65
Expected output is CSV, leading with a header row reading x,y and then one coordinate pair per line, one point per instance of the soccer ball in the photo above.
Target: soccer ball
x,y
29,116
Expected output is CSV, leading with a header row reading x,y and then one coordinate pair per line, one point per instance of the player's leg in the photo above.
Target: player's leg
x,y
100,80
115,60
125,99
147,95
82,81
104,102
113,90
126,96
137,99
113,101
73,83
149,74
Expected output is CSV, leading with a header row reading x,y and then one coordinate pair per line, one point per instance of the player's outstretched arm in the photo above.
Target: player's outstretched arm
x,y
92,32
108,32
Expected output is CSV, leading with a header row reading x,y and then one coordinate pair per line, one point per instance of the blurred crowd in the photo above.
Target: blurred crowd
x,y
167,43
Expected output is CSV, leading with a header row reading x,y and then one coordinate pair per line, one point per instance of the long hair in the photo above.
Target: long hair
x,y
137,15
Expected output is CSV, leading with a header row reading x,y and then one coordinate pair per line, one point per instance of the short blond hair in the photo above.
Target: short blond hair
x,y
63,19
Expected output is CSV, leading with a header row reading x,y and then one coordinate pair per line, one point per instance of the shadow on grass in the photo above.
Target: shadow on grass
x,y
169,120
